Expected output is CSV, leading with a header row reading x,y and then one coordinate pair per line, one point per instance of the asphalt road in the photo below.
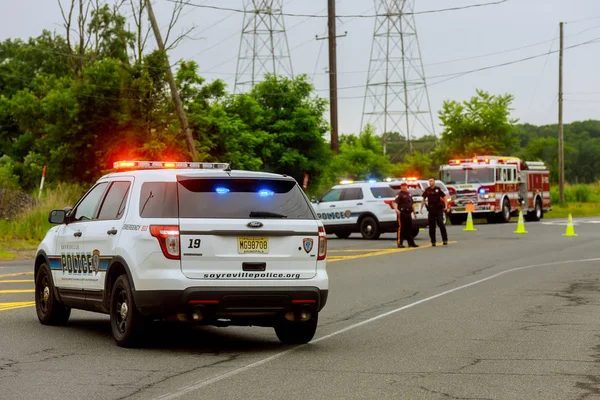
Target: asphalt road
x,y
493,315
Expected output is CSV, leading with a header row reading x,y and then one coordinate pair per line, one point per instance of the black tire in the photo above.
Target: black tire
x,y
369,228
297,332
126,323
537,213
343,235
456,219
504,216
415,232
49,310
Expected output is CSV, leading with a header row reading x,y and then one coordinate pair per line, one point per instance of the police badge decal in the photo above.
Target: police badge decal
x,y
307,244
96,261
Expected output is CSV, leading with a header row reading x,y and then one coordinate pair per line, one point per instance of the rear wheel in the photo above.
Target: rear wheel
x,y
505,214
369,228
290,332
125,320
537,212
415,232
343,235
49,310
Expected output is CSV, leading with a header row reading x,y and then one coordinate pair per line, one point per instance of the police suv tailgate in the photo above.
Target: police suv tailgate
x,y
246,229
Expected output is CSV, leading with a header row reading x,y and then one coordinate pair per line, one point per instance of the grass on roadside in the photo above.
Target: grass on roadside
x,y
4,255
24,233
575,209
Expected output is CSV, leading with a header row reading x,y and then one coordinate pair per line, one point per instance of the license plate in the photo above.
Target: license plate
x,y
253,245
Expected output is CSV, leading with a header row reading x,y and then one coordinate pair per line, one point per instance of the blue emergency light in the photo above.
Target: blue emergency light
x,y
265,193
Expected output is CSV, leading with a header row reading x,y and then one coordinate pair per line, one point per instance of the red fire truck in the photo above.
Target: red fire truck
x,y
496,188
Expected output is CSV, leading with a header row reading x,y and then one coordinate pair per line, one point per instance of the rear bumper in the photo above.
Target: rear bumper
x,y
231,302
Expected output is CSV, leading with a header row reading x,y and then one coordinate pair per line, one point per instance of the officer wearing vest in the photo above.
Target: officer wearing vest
x,y
403,204
435,207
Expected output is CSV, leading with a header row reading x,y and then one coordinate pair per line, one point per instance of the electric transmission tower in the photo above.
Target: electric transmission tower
x,y
396,98
263,46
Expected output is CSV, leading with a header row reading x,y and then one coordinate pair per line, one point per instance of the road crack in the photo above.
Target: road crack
x,y
145,387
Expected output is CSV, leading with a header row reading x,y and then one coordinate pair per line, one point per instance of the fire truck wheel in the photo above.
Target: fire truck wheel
x,y
505,215
414,232
537,212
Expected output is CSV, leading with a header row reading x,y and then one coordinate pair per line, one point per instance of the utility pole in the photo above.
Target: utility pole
x,y
561,143
174,92
333,78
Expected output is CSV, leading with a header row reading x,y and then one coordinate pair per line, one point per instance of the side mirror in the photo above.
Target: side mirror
x,y
57,217
314,200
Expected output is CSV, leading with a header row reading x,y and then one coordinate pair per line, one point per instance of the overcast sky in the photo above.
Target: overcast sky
x,y
443,37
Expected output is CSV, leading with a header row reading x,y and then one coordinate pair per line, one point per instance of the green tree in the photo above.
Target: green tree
x,y
361,158
418,165
481,125
292,118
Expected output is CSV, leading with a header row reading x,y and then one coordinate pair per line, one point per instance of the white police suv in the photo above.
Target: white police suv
x,y
192,242
363,207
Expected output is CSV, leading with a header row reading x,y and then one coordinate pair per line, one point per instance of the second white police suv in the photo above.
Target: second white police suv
x,y
365,207
191,242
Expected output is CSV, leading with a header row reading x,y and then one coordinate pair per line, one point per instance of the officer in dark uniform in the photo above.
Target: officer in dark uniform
x,y
403,204
435,207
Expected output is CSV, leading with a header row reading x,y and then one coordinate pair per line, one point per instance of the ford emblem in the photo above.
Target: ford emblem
x,y
254,224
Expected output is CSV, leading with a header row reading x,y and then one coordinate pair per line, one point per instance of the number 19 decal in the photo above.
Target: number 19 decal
x,y
194,244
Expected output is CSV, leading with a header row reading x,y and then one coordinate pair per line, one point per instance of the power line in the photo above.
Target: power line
x,y
542,73
438,62
238,10
582,20
459,74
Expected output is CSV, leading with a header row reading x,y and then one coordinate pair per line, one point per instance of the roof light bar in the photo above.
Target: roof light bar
x,y
121,165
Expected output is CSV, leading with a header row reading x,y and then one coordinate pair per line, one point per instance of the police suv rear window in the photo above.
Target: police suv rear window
x,y
242,199
383,192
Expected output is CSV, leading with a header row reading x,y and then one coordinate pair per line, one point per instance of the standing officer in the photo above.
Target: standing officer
x,y
435,206
403,204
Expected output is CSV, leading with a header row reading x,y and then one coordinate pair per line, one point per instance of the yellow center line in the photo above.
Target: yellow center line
x,y
17,281
380,253
16,274
12,306
17,291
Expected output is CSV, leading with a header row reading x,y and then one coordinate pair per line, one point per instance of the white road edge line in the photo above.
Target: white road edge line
x,y
199,385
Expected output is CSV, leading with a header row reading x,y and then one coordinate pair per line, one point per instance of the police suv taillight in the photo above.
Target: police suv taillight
x,y
168,238
322,244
